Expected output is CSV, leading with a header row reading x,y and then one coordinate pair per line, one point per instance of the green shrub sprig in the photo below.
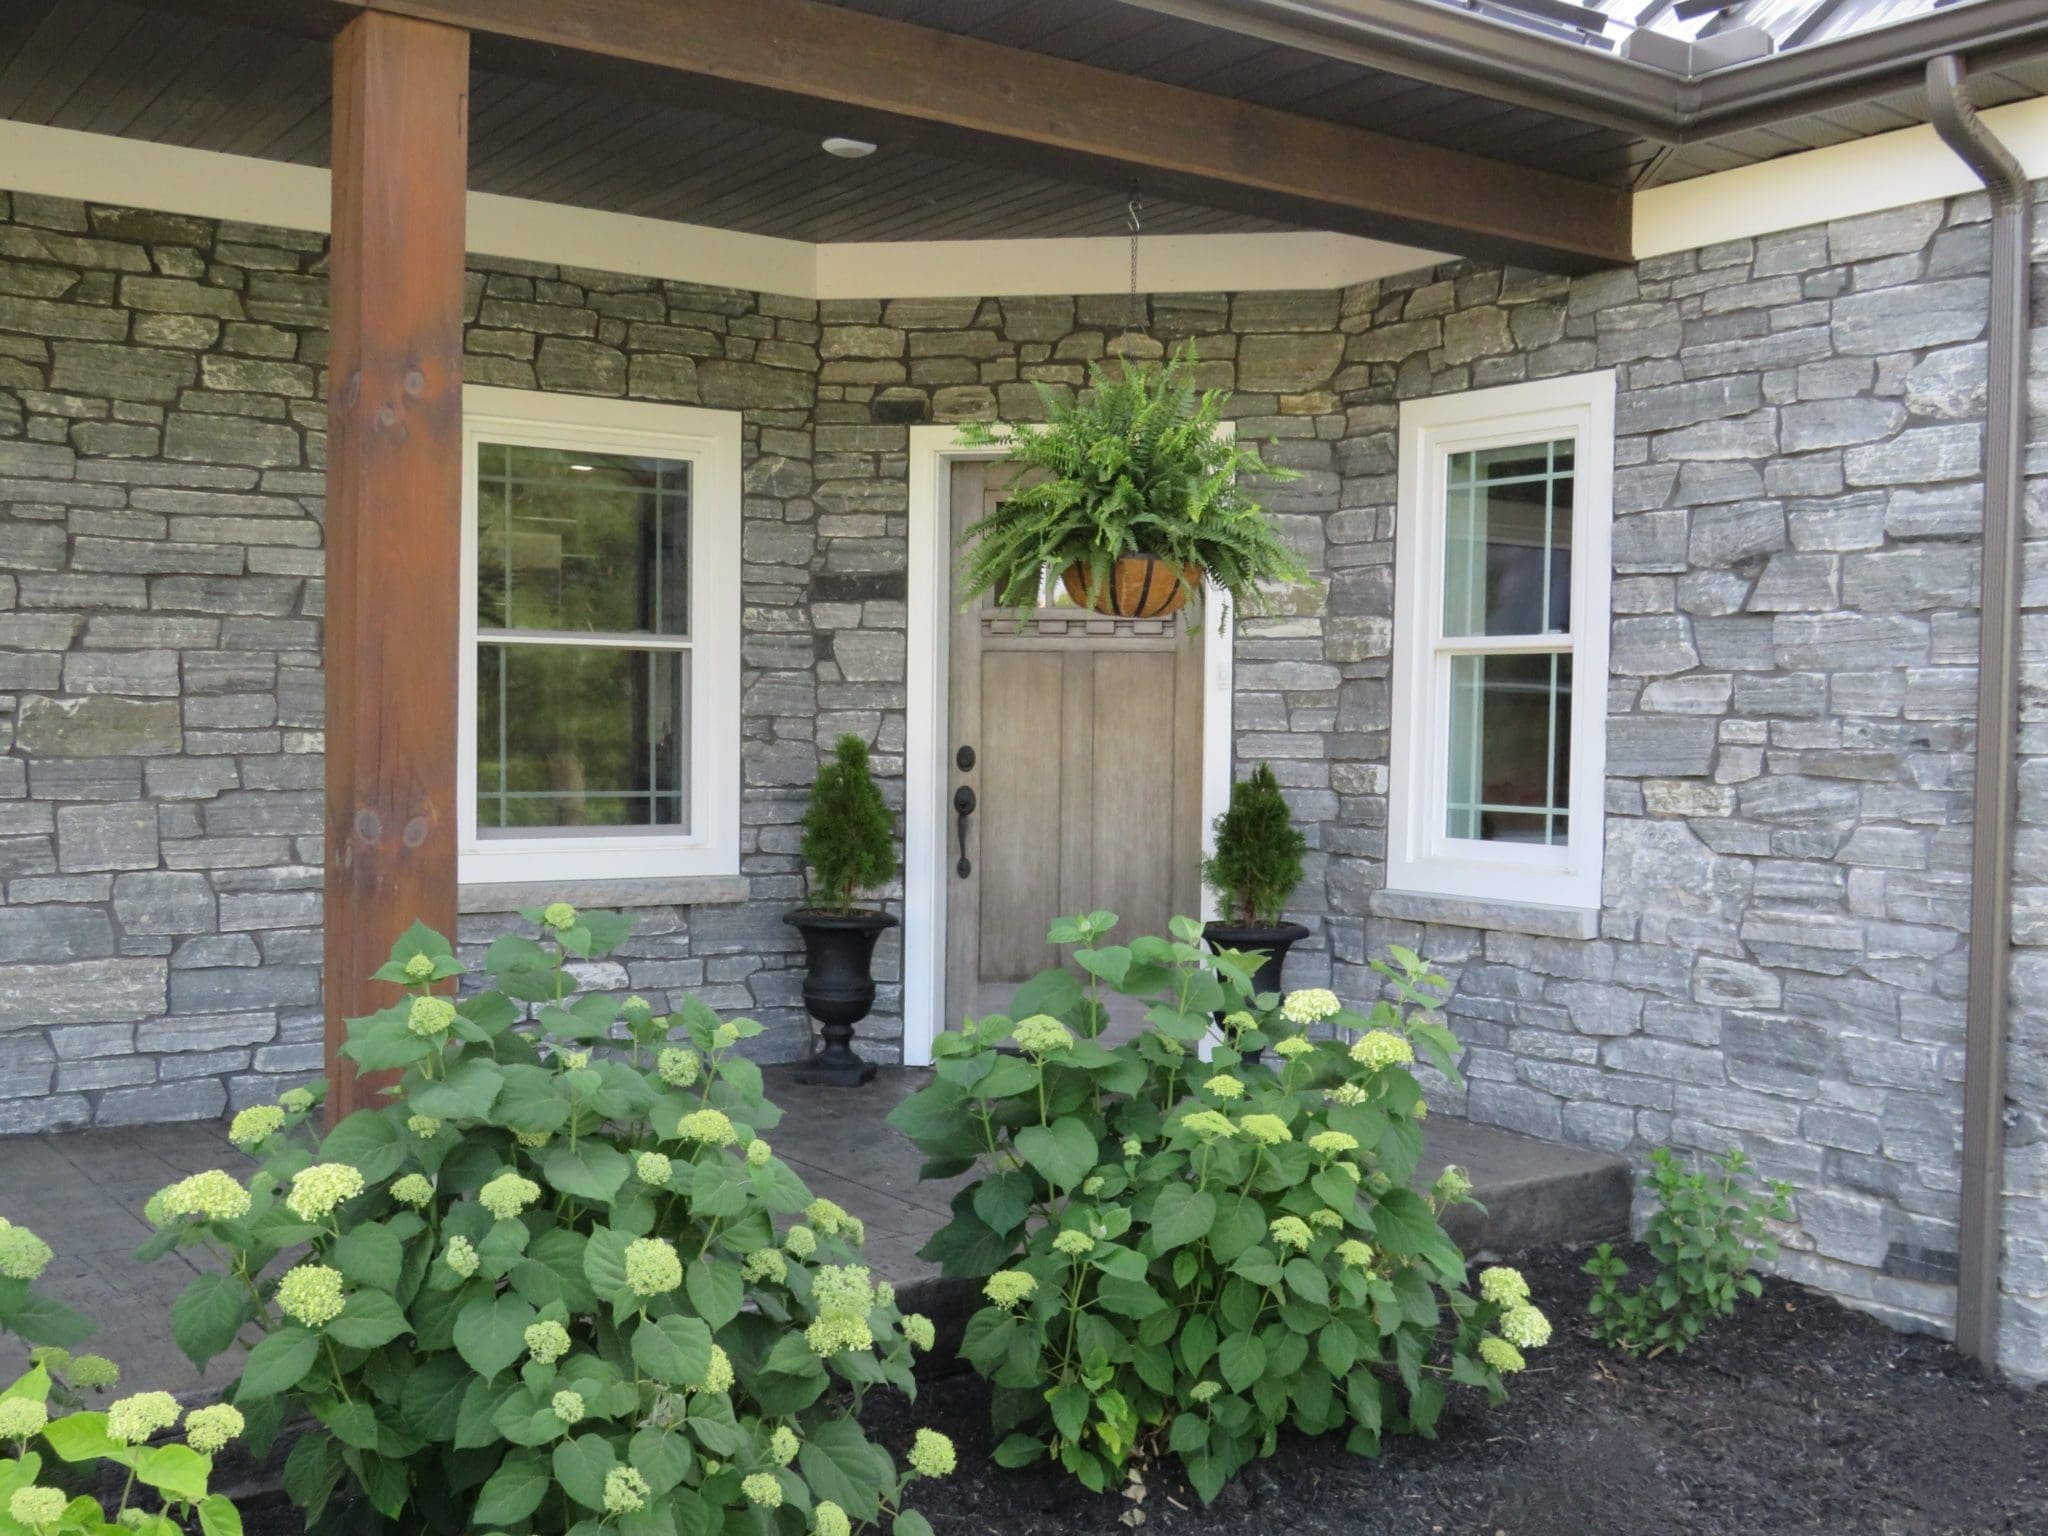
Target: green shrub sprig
x,y
557,1284
849,841
1706,1235
1184,1256
51,1445
1257,859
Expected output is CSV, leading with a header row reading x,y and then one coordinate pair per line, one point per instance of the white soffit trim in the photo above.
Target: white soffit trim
x,y
132,173
1166,264
1889,170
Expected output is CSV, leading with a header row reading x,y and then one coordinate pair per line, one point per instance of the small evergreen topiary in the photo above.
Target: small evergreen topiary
x,y
849,835
1257,862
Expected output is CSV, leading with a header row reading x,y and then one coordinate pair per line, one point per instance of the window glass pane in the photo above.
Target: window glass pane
x,y
1510,740
1508,540
580,736
585,542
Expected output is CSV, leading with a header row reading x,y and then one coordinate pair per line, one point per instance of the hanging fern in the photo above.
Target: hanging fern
x,y
1137,465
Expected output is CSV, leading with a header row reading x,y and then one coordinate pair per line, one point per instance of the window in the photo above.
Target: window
x,y
601,639
1500,643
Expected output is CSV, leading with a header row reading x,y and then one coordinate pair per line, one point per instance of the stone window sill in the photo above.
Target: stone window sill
x,y
682,891
1546,922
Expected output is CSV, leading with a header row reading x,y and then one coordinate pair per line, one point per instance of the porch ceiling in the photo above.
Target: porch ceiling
x,y
108,66
567,110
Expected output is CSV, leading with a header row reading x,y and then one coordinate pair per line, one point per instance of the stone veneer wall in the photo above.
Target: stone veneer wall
x,y
1780,961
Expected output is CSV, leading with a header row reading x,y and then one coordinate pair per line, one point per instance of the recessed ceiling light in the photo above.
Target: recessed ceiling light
x,y
848,149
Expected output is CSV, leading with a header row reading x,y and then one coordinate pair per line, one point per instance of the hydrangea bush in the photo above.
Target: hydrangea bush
x,y
25,1312
1185,1255
51,1445
557,1283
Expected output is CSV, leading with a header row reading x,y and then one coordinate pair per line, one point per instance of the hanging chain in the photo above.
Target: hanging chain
x,y
1133,210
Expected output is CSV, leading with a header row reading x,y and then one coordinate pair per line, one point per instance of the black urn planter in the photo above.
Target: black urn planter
x,y
1273,942
839,988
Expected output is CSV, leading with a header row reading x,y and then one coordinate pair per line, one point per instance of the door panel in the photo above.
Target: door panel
x,y
1133,749
1086,734
1021,810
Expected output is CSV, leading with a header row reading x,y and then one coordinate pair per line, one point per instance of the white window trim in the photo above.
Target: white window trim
x,y
710,440
1421,858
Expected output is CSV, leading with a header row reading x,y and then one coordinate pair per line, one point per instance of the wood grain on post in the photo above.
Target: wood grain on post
x,y
394,503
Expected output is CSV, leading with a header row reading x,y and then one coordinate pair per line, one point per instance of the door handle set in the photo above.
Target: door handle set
x,y
963,807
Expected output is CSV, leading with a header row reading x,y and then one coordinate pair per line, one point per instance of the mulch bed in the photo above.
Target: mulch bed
x,y
1795,1416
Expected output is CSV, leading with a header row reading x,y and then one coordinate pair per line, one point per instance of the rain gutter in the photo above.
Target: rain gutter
x,y
1443,45
2005,409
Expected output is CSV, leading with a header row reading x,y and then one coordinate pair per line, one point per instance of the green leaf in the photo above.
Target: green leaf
x,y
1305,1279
1063,1152
910,1523
218,1517
81,1437
208,1314
1003,1200
466,1093
1240,1224
1069,1403
515,1490
1242,1359
1180,1214
432,1395
1053,992
369,1319
715,1290
370,1140
1337,1348
382,1043
1127,1298
369,1255
1197,1341
580,1467
590,1170
663,1457
552,1272
719,1188
1018,1451
490,1333
40,1320
278,1363
1403,1223
177,1471
353,1423
604,1266
841,1465
673,1349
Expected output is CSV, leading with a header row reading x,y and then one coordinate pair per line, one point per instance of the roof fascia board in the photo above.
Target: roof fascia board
x,y
1878,62
1423,40
1457,50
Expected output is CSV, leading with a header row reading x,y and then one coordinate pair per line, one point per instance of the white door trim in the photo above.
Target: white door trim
x,y
934,450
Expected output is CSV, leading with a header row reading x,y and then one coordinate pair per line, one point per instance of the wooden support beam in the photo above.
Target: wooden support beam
x,y
394,502
802,60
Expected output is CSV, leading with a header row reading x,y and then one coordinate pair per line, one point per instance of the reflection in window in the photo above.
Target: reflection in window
x,y
1508,541
1508,579
583,644
1511,740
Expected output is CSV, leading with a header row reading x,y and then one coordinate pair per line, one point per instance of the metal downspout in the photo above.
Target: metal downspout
x,y
2005,409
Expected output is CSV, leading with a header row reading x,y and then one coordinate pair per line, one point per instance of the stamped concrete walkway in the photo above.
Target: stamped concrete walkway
x,y
84,1191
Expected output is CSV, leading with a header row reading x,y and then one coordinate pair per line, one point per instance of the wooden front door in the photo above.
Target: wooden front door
x,y
1085,737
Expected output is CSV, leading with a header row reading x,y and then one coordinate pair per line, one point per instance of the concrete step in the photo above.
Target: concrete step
x,y
83,1193
1534,1191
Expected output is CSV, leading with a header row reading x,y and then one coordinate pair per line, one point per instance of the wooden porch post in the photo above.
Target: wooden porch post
x,y
394,502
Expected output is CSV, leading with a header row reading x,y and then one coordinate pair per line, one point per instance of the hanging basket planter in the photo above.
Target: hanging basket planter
x,y
1138,587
